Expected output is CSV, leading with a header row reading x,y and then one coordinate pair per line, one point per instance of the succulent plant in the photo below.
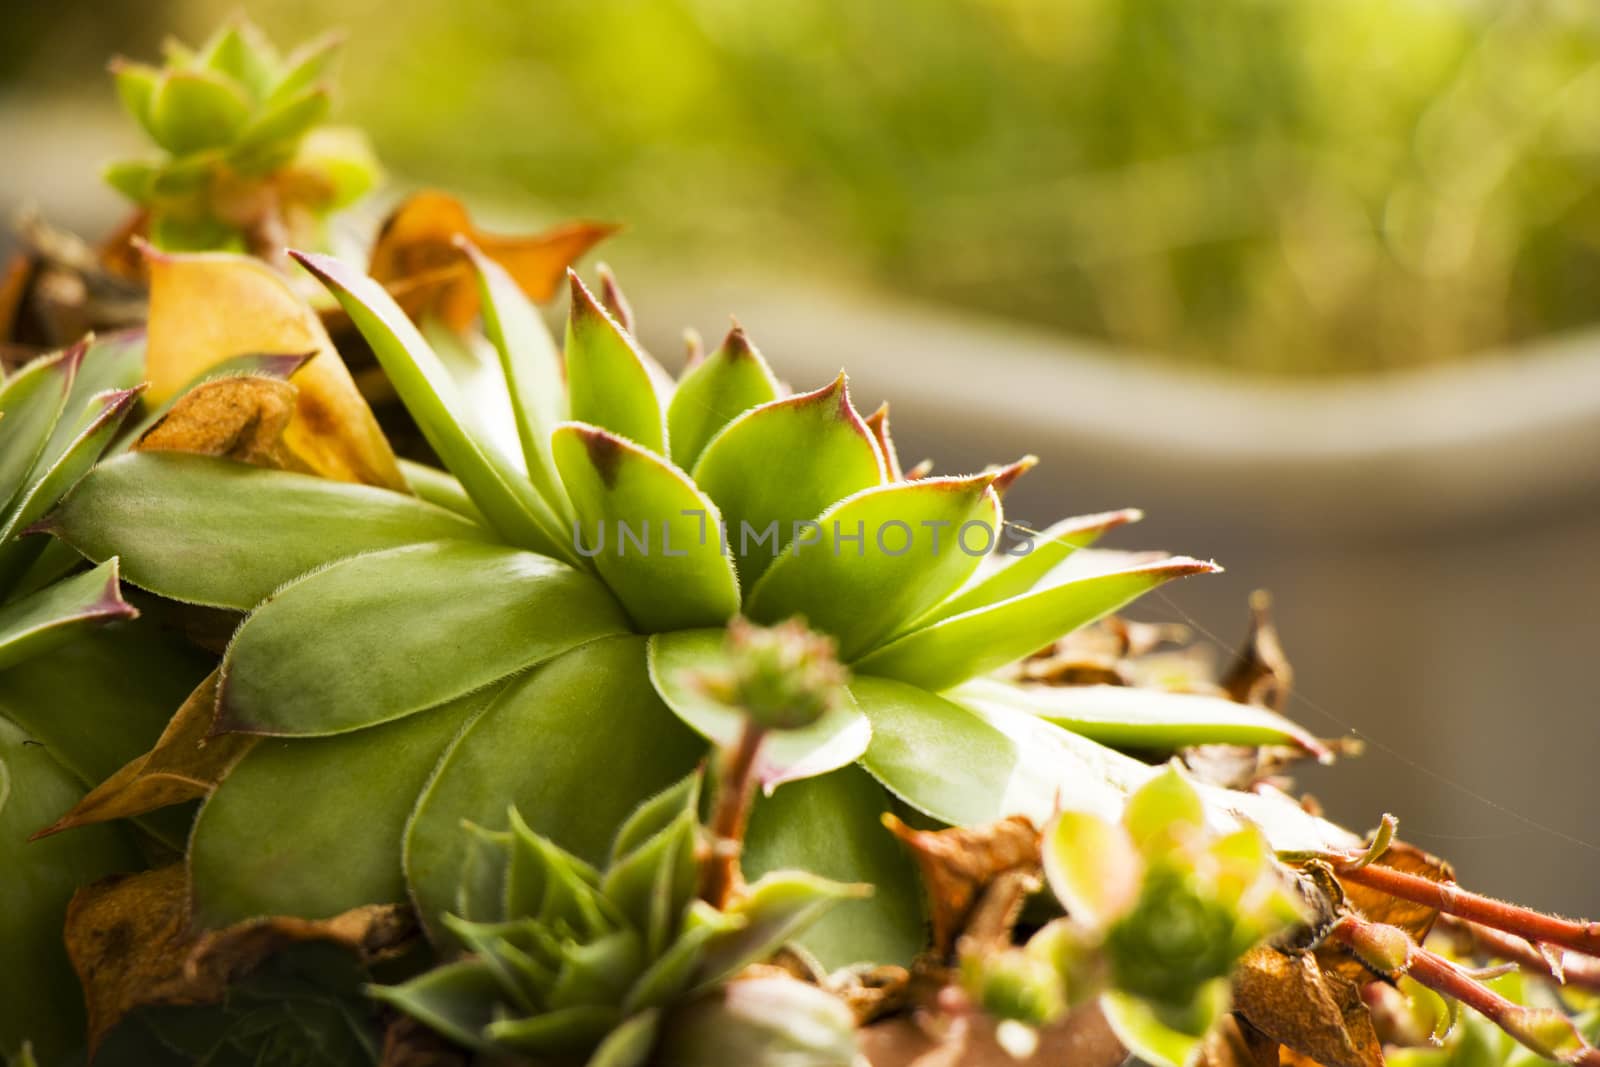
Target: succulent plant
x,y
520,634
570,964
246,161
82,687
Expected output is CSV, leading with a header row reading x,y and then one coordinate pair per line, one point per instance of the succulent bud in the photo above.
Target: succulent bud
x,y
783,677
1386,949
1014,984
1177,938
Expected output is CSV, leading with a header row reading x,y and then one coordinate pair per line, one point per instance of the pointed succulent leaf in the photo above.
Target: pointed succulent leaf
x,y
1093,867
112,363
777,909
667,978
783,464
629,1044
136,86
532,369
656,814
209,308
714,392
762,1022
437,487
653,883
554,1033
832,827
40,999
31,403
47,484
598,702
598,971
963,646
240,51
1165,807
269,140
610,381
882,556
192,110
496,486
1148,719
255,851
53,615
133,178
835,740
426,623
224,534
1016,575
547,883
489,942
970,766
456,1000
308,65
1141,1027
652,535
473,366
481,890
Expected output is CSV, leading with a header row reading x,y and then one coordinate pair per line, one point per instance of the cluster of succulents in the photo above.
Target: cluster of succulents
x,y
452,720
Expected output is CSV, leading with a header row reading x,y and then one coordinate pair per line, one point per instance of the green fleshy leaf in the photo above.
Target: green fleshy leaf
x,y
777,909
948,652
31,403
610,382
1144,1032
666,979
180,233
224,534
474,367
713,393
342,158
532,368
569,1030
548,884
438,487
674,574
100,700
379,636
54,615
310,64
192,110
654,815
538,748
499,489
1148,719
240,51
1160,806
1016,575
47,483
762,1022
909,558
629,1044
271,138
1092,866
39,995
133,178
832,827
314,826
653,883
136,86
835,740
786,463
455,999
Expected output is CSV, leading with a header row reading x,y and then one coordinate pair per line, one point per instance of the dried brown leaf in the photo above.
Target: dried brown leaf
x,y
416,258
1260,674
208,308
959,864
409,1043
1293,1001
131,943
1233,1042
242,418
185,764
1082,1039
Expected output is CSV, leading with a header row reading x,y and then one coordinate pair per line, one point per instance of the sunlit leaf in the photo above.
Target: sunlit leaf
x,y
610,381
192,527
714,392
31,402
1149,1037
778,908
1093,867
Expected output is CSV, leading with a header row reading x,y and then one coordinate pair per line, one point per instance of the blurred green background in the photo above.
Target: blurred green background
x,y
1285,186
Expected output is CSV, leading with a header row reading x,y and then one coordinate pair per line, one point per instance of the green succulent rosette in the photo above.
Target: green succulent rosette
x,y
246,161
518,634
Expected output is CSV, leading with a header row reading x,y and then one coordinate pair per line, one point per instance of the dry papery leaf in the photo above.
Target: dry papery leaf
x,y
205,309
1260,674
417,259
409,1043
243,417
55,290
185,764
959,864
131,943
1319,1014
1082,1039
1233,1042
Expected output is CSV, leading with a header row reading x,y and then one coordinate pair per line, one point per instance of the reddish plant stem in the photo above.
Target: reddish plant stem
x,y
735,789
1453,900
1576,970
1446,978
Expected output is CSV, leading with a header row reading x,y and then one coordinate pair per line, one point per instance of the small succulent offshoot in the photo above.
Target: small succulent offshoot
x,y
245,161
626,965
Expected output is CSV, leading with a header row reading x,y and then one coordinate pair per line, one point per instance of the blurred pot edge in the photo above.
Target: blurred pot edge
x,y
1495,438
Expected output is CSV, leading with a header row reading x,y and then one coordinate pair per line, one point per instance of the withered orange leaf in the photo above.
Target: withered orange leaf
x,y
1082,1039
417,260
185,764
959,863
206,308
1292,1000
243,418
130,941
1233,1042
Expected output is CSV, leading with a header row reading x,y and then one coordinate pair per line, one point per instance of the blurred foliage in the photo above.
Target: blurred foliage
x,y
1280,185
